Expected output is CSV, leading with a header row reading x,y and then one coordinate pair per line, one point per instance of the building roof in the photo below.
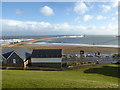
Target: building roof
x,y
23,53
47,53
2,58
7,50
6,55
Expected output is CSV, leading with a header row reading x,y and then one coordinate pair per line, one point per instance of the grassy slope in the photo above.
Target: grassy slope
x,y
80,78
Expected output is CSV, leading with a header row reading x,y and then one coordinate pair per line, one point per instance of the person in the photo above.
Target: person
x,y
98,53
97,62
95,54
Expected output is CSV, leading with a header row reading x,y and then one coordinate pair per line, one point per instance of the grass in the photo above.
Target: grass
x,y
79,78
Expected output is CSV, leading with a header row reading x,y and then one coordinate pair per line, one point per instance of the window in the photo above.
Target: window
x,y
14,61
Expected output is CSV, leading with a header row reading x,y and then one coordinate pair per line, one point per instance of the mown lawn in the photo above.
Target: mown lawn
x,y
105,76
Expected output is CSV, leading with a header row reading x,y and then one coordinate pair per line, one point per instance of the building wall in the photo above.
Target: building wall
x,y
48,65
46,60
14,65
15,57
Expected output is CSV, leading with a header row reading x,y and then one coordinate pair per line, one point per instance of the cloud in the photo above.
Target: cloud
x,y
80,8
100,17
47,11
19,12
14,27
113,18
106,8
87,17
115,3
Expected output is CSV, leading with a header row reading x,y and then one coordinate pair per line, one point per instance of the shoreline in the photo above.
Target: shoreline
x,y
67,48
88,45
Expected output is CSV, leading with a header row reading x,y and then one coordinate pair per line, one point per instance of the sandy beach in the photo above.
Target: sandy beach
x,y
70,48
65,48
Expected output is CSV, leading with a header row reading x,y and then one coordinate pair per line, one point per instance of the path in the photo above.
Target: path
x,y
31,41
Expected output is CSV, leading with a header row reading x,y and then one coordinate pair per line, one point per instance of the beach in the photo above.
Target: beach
x,y
70,48
65,47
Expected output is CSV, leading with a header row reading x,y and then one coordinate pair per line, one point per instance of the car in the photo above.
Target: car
x,y
114,62
118,62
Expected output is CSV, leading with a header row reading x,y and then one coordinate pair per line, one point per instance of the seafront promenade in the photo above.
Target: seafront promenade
x,y
31,41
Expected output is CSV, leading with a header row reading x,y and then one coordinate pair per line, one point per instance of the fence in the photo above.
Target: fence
x,y
92,59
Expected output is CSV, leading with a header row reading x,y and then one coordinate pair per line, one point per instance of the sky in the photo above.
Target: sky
x,y
59,18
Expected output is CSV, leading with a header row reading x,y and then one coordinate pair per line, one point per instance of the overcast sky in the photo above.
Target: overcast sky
x,y
59,18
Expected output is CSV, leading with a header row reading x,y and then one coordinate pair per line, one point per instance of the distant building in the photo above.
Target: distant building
x,y
16,57
47,58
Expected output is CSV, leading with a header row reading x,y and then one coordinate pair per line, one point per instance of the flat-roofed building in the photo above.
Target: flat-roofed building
x,y
47,58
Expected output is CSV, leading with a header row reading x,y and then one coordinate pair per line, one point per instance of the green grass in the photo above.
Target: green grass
x,y
92,77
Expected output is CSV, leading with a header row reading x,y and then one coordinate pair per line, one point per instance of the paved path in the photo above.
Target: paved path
x,y
31,41
85,66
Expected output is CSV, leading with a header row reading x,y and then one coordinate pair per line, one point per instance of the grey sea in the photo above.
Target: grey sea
x,y
84,40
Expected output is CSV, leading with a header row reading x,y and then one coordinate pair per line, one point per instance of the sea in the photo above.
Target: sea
x,y
82,40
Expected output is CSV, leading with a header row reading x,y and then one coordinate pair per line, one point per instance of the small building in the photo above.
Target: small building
x,y
16,57
51,58
5,53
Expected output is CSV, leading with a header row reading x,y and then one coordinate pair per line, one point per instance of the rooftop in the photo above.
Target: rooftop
x,y
47,53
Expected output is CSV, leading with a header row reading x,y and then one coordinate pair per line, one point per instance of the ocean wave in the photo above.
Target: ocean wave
x,y
7,41
40,43
85,45
45,43
74,36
